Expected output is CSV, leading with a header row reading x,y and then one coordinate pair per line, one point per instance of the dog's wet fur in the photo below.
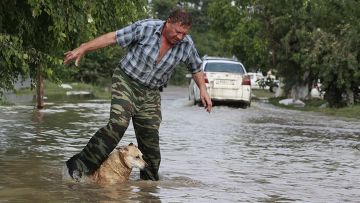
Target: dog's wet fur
x,y
117,167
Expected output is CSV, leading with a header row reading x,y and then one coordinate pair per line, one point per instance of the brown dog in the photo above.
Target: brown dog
x,y
117,167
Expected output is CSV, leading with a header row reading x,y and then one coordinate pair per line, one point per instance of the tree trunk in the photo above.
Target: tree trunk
x,y
39,89
350,100
300,92
333,95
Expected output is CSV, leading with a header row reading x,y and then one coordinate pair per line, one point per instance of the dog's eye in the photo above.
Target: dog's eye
x,y
138,157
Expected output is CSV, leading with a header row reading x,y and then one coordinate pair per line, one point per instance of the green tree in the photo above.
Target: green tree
x,y
303,40
334,49
34,34
241,31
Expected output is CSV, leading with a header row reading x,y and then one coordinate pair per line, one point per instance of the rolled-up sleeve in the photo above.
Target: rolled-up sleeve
x,y
128,34
193,62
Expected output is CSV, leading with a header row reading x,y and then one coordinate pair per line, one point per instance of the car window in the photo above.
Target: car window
x,y
224,67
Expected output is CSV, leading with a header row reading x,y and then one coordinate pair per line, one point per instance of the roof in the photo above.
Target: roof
x,y
206,57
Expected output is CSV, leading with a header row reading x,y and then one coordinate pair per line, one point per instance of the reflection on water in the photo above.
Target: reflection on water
x,y
259,154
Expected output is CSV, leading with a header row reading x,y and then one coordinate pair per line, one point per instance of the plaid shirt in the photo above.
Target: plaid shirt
x,y
143,41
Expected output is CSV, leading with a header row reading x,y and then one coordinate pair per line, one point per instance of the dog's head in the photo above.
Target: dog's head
x,y
132,156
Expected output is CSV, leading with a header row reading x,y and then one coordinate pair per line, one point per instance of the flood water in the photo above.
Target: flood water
x,y
259,154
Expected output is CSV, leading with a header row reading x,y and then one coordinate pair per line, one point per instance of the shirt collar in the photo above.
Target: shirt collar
x,y
159,28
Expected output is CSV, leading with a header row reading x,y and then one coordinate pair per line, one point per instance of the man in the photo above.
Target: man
x,y
155,47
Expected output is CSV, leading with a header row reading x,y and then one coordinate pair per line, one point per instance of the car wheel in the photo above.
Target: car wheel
x,y
192,97
244,105
194,101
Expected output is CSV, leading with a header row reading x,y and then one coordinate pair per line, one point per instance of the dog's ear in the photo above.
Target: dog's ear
x,y
132,144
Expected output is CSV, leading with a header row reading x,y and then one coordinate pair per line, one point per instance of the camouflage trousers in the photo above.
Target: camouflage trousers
x,y
130,100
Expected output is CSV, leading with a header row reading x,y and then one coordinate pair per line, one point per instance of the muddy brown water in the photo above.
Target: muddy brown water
x,y
259,154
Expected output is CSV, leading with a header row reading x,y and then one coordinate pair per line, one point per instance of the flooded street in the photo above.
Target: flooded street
x,y
258,154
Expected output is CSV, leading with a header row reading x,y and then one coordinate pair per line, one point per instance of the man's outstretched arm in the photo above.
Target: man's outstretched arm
x,y
97,43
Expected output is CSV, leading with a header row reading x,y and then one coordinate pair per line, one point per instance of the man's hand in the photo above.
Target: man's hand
x,y
205,99
75,54
204,96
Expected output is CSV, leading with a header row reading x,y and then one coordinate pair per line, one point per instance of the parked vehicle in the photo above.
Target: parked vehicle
x,y
255,78
268,83
226,81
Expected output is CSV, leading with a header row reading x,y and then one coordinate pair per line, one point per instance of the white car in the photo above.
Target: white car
x,y
226,81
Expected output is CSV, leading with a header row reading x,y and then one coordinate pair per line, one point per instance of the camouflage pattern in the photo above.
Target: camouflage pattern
x,y
130,100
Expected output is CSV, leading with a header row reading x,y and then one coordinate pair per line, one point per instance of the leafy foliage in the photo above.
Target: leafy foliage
x,y
305,41
35,33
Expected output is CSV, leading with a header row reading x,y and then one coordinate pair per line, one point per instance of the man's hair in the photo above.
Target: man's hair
x,y
180,15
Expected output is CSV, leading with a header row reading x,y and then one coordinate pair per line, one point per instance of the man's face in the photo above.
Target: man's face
x,y
175,32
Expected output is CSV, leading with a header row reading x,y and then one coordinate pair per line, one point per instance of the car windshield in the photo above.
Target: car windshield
x,y
224,67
